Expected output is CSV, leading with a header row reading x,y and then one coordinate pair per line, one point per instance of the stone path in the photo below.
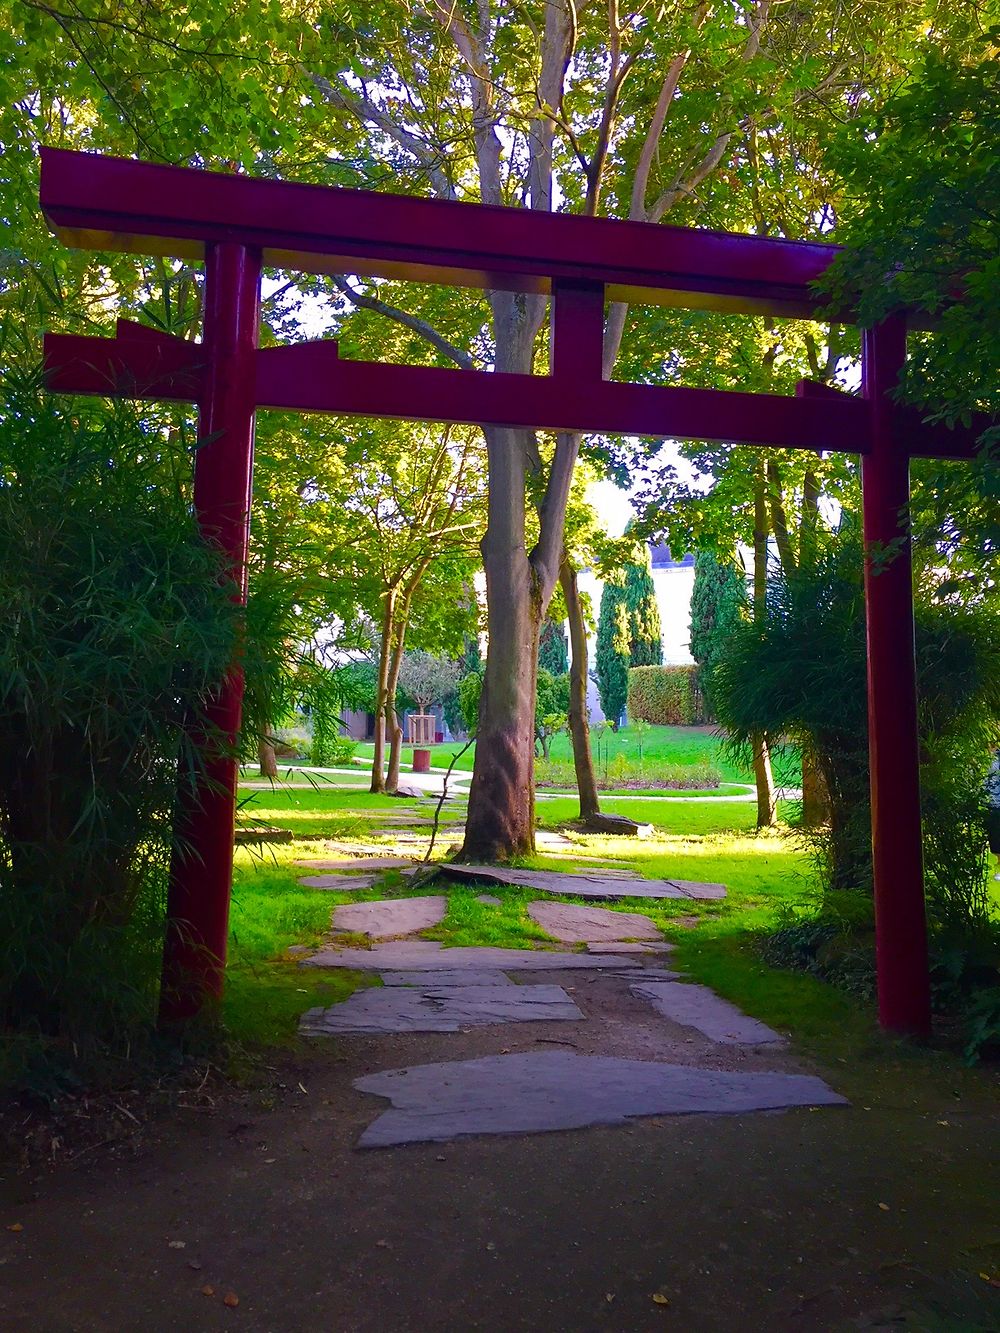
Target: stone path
x,y
698,1007
391,917
572,924
339,883
391,1009
428,955
589,885
548,1090
359,863
616,998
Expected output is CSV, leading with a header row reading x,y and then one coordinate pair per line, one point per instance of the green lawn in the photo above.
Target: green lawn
x,y
695,817
686,746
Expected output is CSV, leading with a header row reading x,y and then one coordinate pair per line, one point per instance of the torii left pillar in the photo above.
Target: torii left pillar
x,y
202,862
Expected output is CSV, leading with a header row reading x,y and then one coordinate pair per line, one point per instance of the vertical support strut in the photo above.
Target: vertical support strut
x,y
201,871
893,744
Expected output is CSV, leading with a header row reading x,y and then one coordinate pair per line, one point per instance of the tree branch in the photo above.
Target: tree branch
x,y
413,322
430,159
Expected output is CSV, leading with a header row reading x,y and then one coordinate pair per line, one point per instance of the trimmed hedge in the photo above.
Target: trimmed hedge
x,y
665,695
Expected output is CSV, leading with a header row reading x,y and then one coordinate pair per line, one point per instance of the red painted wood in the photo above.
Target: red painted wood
x,y
201,870
109,203
900,919
310,377
576,350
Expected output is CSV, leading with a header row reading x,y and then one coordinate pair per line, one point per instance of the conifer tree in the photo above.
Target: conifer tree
x,y
645,636
613,648
553,650
717,597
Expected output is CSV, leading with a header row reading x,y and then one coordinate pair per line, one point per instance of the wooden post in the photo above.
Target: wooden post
x,y
202,865
900,919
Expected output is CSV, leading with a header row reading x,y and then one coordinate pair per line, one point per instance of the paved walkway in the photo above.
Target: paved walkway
x,y
634,1038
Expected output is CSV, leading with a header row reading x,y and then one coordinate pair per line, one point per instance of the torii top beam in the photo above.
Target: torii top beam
x,y
106,203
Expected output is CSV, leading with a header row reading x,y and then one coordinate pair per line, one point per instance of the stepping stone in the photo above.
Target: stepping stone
x,y
546,840
339,883
391,916
454,976
489,900
590,885
538,1091
614,946
698,1007
428,955
444,1009
359,863
606,872
573,924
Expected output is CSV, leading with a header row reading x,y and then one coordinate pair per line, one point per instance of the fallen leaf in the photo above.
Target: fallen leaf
x,y
884,1207
207,1290
176,1244
383,1245
194,1264
231,1299
660,1299
609,1296
15,1226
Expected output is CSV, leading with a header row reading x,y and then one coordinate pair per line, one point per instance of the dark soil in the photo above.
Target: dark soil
x,y
770,1222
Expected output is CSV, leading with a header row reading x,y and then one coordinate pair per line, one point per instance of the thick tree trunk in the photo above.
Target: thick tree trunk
x,y
267,759
767,801
382,690
500,822
579,725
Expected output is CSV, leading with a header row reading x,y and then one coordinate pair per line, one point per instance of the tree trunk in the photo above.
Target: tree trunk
x,y
267,759
579,723
382,690
500,822
393,722
767,801
815,797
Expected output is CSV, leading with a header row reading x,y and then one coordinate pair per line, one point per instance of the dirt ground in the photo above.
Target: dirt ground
x,y
840,1218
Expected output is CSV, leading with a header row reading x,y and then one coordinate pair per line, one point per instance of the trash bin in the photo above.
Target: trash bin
x,y
439,738
421,761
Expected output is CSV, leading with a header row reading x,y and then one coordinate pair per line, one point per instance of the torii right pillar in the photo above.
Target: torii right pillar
x,y
893,741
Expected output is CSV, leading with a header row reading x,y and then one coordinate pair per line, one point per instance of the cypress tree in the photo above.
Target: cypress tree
x,y
553,649
717,600
613,648
645,636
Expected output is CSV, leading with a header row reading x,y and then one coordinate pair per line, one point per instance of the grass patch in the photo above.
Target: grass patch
x,y
673,817
654,746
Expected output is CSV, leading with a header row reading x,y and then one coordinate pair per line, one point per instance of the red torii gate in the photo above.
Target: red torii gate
x,y
238,224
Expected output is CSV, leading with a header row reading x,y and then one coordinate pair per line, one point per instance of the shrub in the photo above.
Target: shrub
x,y
665,695
115,624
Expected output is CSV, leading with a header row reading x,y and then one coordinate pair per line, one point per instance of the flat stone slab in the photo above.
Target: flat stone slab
x,y
606,872
572,924
339,883
698,1007
616,946
440,1009
428,955
359,863
589,885
389,917
446,976
488,899
535,1092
